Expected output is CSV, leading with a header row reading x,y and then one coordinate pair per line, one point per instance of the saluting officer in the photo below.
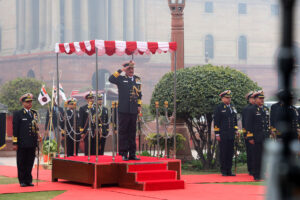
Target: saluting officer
x,y
225,127
258,129
103,123
72,137
130,100
275,117
25,139
249,149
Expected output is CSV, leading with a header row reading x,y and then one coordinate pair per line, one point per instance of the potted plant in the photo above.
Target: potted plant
x,y
152,140
49,150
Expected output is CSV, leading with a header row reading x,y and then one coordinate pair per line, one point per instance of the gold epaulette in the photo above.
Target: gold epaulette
x,y
116,74
139,101
216,128
81,129
15,139
236,127
249,134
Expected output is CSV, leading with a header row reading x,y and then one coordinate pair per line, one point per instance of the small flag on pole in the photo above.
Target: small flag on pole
x,y
43,96
61,92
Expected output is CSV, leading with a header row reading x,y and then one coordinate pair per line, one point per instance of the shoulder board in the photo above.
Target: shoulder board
x,y
137,77
34,110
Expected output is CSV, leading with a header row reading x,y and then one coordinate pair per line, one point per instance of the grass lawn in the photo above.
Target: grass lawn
x,y
244,183
9,180
24,196
31,195
241,169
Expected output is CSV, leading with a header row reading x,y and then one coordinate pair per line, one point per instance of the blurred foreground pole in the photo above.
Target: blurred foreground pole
x,y
283,174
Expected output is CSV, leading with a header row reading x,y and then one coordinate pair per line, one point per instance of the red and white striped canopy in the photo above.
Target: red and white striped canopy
x,y
115,47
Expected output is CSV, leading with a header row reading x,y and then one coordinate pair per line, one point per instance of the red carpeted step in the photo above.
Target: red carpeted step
x,y
147,167
155,175
163,185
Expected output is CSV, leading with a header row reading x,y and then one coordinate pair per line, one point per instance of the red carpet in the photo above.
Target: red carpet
x,y
154,176
148,173
191,192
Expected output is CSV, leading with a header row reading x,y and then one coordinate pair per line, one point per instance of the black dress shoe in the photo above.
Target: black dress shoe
x,y
230,174
30,184
134,158
223,174
23,185
124,158
257,178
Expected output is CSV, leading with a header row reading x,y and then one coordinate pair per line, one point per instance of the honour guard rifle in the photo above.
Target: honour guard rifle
x,y
90,105
113,106
166,104
157,127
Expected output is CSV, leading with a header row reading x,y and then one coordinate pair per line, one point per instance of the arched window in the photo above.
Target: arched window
x,y
209,47
103,75
242,48
30,74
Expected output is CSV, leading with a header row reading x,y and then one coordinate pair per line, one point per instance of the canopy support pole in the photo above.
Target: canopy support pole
x,y
97,107
57,110
174,113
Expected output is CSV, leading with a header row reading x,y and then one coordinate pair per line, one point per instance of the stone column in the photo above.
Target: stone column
x,y
128,20
84,18
139,25
48,24
68,21
102,21
28,25
21,25
76,20
55,22
177,34
42,24
115,22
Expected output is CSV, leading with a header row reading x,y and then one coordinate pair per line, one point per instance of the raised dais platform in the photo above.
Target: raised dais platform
x,y
149,173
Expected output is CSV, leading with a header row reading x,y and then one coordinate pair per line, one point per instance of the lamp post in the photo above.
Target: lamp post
x,y
177,34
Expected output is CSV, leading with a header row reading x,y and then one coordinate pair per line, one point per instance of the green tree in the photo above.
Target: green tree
x,y
198,90
11,92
